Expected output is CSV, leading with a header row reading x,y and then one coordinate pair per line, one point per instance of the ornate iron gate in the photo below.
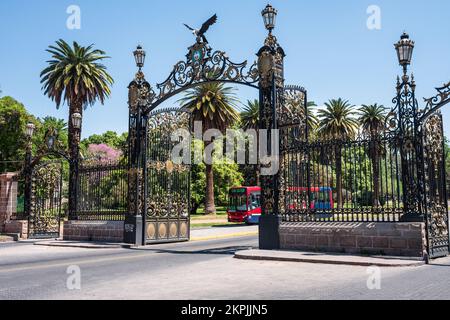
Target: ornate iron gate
x,y
166,183
435,197
45,209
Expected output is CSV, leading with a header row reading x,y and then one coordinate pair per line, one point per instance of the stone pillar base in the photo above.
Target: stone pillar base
x,y
19,227
98,231
373,238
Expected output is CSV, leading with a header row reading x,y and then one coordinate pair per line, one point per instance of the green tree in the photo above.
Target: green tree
x,y
214,105
250,115
13,120
76,76
110,138
50,124
336,123
372,120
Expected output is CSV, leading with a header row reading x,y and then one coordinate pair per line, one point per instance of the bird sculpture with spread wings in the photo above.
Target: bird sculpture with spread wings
x,y
200,34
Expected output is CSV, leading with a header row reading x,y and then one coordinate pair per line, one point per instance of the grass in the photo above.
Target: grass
x,y
220,211
212,224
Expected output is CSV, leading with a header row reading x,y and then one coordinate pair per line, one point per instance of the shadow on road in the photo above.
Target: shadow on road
x,y
214,251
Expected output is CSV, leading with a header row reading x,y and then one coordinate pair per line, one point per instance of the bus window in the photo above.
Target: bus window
x,y
255,200
238,202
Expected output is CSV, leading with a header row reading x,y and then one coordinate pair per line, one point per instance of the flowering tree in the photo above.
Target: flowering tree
x,y
103,152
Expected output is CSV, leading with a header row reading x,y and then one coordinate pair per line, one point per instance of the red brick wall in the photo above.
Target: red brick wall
x,y
18,227
393,239
111,231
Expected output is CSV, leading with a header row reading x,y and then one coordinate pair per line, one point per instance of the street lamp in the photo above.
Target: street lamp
x,y
76,120
404,48
139,56
30,130
269,15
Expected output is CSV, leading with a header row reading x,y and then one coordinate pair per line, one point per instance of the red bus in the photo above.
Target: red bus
x,y
321,198
244,205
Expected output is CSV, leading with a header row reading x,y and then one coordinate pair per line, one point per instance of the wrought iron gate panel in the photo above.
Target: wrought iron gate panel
x,y
167,182
46,200
435,193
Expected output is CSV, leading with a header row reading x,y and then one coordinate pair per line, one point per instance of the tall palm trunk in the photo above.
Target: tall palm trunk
x,y
338,154
210,206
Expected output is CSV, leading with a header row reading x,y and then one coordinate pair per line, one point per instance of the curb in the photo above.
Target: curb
x,y
326,259
80,245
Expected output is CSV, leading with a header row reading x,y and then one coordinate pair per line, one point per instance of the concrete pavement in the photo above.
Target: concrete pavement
x,y
203,270
327,258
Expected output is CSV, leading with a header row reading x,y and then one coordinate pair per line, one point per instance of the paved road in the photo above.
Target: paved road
x,y
201,270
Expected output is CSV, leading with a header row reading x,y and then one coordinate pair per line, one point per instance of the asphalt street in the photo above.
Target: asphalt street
x,y
200,270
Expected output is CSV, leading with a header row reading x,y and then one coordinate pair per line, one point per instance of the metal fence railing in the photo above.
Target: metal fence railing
x,y
102,191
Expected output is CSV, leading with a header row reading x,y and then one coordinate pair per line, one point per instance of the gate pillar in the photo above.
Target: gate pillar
x,y
139,96
271,88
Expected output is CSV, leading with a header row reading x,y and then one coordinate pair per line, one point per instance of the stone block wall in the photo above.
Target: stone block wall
x,y
391,239
8,198
100,231
19,227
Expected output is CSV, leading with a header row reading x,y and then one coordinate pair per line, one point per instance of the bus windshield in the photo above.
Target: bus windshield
x,y
238,200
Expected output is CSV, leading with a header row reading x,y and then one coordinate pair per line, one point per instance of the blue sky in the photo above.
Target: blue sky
x,y
329,48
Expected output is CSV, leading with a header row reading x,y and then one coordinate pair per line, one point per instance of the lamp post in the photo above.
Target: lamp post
x,y
271,83
27,169
269,15
139,56
76,122
407,113
404,48
139,97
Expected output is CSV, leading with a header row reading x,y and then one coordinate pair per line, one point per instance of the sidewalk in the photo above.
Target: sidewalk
x,y
201,234
328,258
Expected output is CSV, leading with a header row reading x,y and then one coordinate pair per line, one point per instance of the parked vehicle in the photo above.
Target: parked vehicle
x,y
244,205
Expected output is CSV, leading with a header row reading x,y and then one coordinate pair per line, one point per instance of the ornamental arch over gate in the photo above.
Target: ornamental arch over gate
x,y
157,208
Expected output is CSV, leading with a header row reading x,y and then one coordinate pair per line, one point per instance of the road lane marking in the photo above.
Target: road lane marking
x,y
226,236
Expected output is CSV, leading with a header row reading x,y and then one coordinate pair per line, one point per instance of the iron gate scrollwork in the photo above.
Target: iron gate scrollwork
x,y
434,187
45,211
158,188
166,180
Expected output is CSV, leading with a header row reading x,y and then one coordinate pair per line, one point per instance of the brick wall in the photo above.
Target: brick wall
x,y
8,198
17,227
392,239
108,231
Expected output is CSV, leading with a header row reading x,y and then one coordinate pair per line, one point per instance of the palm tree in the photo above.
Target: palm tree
x,y
336,122
250,115
75,76
312,120
372,119
214,105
